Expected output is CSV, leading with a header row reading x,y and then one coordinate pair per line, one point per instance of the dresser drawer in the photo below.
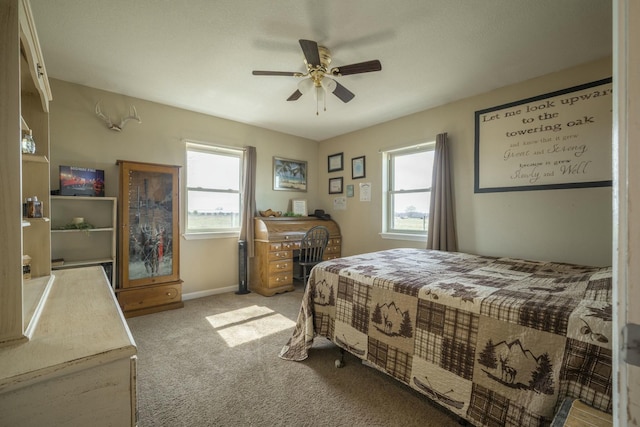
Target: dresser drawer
x,y
333,249
280,279
280,266
274,256
275,247
150,296
290,246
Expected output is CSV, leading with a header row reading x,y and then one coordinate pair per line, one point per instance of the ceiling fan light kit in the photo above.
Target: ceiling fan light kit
x,y
317,61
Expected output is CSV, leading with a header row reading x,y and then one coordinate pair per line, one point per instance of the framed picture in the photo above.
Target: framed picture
x,y
299,207
335,162
335,185
357,167
350,190
290,175
546,142
75,181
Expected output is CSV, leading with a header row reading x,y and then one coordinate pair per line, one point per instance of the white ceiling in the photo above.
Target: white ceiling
x,y
199,54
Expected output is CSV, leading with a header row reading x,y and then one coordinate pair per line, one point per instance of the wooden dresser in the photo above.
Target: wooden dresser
x,y
275,241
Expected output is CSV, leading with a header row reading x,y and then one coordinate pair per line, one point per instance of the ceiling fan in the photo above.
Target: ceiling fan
x,y
317,77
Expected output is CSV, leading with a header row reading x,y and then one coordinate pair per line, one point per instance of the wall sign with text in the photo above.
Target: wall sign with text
x,y
560,139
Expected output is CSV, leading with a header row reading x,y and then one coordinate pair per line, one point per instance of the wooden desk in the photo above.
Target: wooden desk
x,y
275,240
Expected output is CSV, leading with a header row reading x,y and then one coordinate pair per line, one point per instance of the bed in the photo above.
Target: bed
x,y
497,341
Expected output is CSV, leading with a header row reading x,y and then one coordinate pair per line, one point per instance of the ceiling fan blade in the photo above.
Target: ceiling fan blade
x,y
310,50
295,96
274,73
361,67
343,93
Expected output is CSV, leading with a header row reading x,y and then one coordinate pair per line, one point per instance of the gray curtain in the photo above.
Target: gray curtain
x,y
248,198
441,233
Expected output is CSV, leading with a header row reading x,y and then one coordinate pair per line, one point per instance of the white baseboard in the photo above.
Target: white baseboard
x,y
209,292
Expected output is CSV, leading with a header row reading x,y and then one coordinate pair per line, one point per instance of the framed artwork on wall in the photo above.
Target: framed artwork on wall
x,y
556,140
290,175
358,167
350,190
335,185
335,162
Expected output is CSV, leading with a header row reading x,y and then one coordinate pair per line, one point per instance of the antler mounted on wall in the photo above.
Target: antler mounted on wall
x,y
133,115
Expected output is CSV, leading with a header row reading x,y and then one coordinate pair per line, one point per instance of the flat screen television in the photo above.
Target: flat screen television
x,y
77,181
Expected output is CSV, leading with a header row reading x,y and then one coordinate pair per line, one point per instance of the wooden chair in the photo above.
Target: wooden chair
x,y
312,248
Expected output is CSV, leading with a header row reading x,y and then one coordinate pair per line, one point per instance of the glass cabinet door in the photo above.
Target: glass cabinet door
x,y
149,223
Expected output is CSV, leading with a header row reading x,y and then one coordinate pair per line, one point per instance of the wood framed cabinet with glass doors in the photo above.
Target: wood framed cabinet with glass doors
x,y
148,238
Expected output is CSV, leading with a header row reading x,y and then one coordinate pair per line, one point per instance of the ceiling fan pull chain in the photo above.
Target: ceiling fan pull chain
x,y
324,98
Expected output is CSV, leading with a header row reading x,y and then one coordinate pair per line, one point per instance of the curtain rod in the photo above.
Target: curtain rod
x,y
406,145
212,144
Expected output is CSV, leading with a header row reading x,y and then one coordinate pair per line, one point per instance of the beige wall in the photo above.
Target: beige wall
x,y
79,138
568,225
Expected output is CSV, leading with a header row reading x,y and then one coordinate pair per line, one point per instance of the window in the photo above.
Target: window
x,y
409,171
214,177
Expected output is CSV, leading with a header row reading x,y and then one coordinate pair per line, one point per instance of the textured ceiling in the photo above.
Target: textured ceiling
x,y
199,54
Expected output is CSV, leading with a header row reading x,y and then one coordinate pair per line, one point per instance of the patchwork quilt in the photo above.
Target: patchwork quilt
x,y
498,341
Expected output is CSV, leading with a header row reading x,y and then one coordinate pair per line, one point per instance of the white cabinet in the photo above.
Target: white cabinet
x,y
25,105
79,368
83,232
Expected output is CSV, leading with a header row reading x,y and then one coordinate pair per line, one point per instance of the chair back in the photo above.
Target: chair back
x,y
313,244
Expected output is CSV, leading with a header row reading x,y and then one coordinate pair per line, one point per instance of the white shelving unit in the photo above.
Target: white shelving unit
x,y
84,246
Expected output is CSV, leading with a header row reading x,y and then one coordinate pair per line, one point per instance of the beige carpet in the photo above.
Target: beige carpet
x,y
215,363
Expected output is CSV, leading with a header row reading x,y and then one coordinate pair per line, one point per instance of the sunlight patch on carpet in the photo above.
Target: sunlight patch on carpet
x,y
237,316
247,324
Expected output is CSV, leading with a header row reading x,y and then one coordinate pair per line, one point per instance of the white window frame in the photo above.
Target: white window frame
x,y
212,149
388,175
